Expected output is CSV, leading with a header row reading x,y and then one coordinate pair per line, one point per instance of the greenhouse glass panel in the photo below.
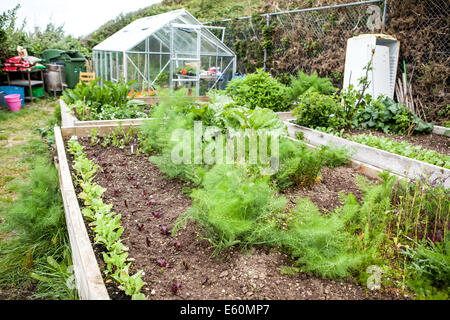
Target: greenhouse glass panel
x,y
172,50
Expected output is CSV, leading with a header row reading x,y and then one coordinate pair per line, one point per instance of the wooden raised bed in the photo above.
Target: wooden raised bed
x,y
88,278
381,159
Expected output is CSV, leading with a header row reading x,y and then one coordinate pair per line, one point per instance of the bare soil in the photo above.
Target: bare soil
x,y
432,141
236,274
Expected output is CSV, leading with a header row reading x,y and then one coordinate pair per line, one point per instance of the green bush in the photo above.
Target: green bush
x,y
318,110
313,83
258,89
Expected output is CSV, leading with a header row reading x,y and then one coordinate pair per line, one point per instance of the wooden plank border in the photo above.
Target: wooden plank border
x,y
155,99
88,278
384,160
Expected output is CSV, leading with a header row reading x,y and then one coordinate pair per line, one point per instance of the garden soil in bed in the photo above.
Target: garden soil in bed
x,y
432,141
236,274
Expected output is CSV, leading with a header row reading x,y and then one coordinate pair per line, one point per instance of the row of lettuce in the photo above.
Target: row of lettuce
x,y
105,224
399,226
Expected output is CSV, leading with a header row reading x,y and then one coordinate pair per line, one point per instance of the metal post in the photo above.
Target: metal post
x,y
125,66
384,13
197,84
171,58
265,50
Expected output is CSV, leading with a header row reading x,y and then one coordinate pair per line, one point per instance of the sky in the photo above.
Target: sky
x,y
80,17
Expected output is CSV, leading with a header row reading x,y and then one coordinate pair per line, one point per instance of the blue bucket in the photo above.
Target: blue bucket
x,y
14,90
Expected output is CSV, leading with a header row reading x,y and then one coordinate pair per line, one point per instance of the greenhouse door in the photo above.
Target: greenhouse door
x,y
185,43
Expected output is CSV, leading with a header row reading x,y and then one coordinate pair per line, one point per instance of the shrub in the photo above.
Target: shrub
x,y
313,83
318,110
258,89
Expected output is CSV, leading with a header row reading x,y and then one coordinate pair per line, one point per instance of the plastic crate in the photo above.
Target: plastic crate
x,y
37,91
14,90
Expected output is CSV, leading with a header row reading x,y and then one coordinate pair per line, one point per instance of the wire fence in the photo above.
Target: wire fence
x,y
314,39
311,39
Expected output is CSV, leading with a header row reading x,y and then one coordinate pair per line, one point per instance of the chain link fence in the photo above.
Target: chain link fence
x,y
309,39
315,39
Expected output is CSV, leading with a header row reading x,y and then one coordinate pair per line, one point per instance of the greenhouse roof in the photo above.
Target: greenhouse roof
x,y
133,34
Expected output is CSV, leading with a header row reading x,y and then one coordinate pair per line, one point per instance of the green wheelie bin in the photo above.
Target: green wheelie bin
x,y
73,61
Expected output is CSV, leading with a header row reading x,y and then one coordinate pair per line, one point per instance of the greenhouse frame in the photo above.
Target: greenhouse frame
x,y
169,50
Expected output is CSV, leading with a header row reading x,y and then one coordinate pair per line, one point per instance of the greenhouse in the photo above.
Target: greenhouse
x,y
169,50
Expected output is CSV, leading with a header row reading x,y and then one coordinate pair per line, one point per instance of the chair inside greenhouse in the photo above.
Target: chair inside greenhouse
x,y
169,50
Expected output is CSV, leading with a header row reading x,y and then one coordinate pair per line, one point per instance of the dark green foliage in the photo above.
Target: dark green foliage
x,y
107,102
313,83
258,89
385,115
318,110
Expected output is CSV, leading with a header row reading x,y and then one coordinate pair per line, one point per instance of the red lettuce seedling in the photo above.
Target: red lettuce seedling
x,y
144,193
109,176
162,263
116,192
157,214
151,202
137,184
177,245
175,286
164,230
131,178
140,226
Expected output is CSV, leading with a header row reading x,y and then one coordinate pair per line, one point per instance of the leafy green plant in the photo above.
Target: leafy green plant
x,y
313,83
403,148
429,268
317,110
230,204
105,224
258,89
